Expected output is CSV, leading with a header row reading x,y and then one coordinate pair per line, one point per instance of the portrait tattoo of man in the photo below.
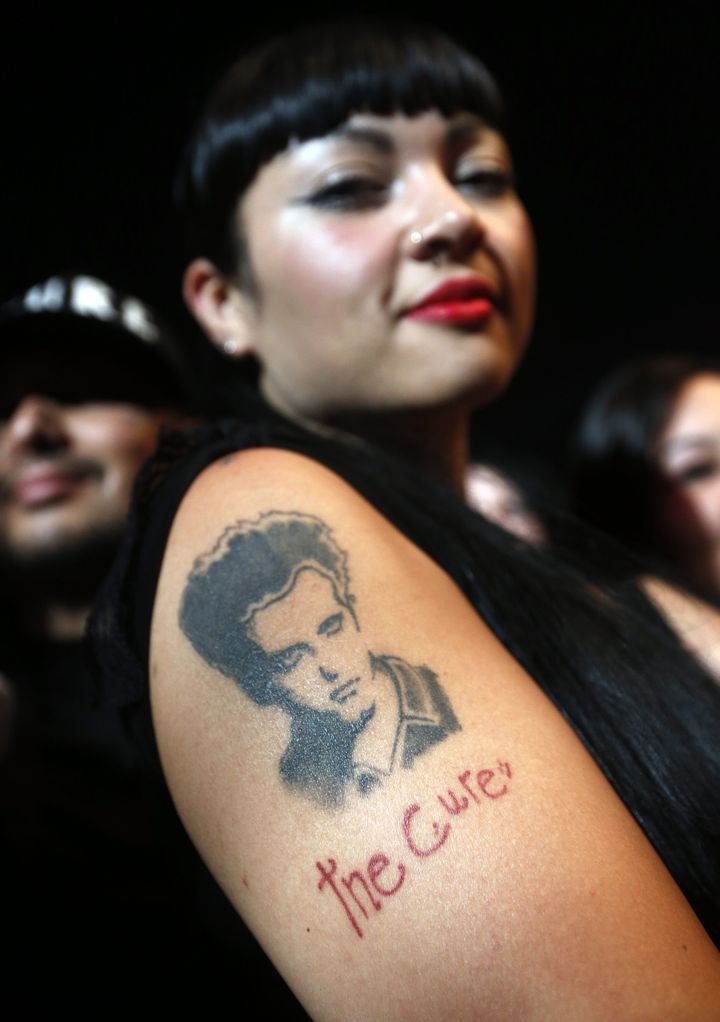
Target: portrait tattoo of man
x,y
269,607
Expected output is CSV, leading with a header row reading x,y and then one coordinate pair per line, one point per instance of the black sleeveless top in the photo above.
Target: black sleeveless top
x,y
646,711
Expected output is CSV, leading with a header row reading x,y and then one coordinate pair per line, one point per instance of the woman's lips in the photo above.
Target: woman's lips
x,y
479,310
463,302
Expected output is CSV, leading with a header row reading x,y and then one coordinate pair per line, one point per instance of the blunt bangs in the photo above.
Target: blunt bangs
x,y
304,85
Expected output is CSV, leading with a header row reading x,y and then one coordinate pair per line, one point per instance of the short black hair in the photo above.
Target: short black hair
x,y
302,85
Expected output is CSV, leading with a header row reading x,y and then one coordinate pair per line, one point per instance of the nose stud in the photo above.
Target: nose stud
x,y
447,219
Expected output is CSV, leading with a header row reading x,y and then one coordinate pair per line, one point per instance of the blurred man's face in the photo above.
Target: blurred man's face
x,y
67,465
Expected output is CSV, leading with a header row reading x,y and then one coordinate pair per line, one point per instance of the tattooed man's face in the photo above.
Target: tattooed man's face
x,y
316,651
269,606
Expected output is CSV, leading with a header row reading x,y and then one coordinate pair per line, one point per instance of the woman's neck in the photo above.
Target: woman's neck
x,y
435,440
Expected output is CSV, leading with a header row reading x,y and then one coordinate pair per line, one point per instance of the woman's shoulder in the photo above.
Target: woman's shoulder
x,y
196,474
382,502
254,478
266,467
696,621
357,756
262,490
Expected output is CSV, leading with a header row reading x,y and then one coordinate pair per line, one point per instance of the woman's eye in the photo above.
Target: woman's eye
x,y
485,182
697,471
350,193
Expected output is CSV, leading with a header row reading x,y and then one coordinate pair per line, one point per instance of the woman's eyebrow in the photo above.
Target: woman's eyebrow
x,y
683,443
373,137
465,128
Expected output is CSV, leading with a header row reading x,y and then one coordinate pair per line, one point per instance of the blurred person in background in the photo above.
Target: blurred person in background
x,y
509,494
645,470
646,465
99,875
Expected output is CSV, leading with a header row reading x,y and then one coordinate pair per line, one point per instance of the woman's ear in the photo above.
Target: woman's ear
x,y
221,309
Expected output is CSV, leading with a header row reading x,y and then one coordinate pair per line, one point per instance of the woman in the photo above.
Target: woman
x,y
357,230
646,464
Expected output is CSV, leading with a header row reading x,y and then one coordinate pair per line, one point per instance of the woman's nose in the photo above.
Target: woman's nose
x,y
37,424
449,226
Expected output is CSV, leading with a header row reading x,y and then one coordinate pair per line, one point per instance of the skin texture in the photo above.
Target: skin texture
x,y
696,621
688,515
541,900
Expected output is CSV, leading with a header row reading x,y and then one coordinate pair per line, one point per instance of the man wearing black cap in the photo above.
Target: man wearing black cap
x,y
87,377
91,875
105,906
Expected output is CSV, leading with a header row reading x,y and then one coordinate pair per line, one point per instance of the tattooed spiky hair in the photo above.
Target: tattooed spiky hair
x,y
253,564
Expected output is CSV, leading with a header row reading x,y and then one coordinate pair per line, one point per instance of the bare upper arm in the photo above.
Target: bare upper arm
x,y
401,816
695,621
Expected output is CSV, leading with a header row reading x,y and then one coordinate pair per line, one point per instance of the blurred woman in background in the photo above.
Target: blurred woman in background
x,y
646,465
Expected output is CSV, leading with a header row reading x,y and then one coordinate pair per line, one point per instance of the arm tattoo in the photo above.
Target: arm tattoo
x,y
270,607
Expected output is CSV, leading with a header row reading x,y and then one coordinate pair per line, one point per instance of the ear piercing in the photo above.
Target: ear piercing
x,y
231,345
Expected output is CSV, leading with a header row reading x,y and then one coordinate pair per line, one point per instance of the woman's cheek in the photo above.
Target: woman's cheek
x,y
706,502
686,518
354,256
516,248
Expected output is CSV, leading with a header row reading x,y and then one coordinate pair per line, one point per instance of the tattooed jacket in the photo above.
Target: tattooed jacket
x,y
426,716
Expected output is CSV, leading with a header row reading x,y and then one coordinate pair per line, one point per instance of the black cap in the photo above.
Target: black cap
x,y
78,310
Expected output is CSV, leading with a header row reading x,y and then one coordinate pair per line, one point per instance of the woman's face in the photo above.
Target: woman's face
x,y
392,265
688,520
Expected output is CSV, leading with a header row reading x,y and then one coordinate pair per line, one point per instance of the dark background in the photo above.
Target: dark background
x,y
616,139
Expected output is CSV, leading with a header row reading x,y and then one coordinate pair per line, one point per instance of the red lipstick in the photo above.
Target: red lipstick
x,y
463,301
